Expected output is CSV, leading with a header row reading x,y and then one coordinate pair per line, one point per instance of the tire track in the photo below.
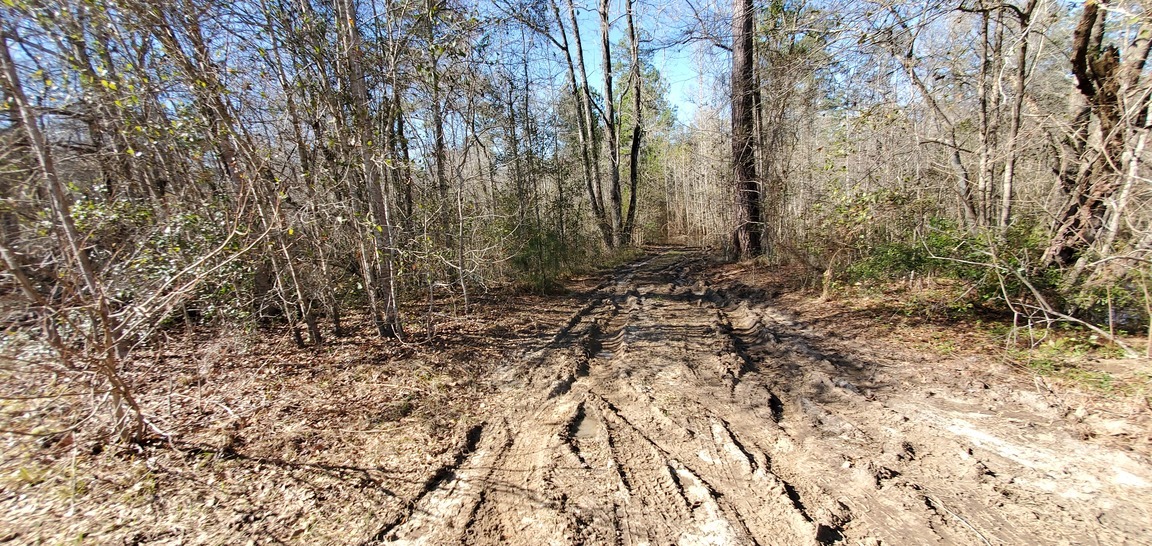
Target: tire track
x,y
672,410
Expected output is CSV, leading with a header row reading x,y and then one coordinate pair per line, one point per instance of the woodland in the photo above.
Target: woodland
x,y
318,169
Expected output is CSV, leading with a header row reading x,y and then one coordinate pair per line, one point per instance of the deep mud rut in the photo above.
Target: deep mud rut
x,y
671,411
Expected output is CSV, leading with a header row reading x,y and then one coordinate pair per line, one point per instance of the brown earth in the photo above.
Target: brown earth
x,y
674,402
675,410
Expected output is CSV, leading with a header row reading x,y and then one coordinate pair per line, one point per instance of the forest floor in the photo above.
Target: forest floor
x,y
674,399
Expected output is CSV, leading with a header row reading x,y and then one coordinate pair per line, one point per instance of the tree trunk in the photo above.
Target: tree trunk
x,y
438,145
596,189
637,130
747,237
1101,79
613,143
586,136
1014,119
388,322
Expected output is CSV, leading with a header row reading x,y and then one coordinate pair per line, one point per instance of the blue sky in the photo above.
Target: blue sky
x,y
683,79
680,66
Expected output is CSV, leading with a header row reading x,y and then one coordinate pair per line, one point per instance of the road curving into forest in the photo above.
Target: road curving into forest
x,y
671,410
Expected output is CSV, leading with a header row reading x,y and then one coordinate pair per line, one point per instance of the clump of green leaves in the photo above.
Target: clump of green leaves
x,y
990,266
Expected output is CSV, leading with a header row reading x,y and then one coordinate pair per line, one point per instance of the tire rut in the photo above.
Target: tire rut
x,y
672,410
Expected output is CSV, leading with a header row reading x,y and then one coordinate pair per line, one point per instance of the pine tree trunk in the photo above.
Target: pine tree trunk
x,y
747,238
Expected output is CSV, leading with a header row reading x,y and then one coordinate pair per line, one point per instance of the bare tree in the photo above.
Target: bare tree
x,y
106,332
1108,85
635,78
379,256
615,203
1020,79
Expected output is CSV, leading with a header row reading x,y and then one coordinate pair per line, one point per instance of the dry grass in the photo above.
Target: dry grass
x,y
253,440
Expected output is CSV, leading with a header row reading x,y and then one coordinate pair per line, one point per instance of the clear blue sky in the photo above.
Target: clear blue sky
x,y
677,64
683,79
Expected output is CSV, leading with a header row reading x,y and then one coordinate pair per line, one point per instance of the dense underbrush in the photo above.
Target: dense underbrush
x,y
1056,322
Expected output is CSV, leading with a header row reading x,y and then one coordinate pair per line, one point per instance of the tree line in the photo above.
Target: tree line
x,y
303,162
1003,143
325,163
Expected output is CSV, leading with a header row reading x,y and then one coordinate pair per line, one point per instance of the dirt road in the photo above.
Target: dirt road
x,y
674,411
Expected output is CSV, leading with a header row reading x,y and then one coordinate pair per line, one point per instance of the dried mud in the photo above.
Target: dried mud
x,y
674,409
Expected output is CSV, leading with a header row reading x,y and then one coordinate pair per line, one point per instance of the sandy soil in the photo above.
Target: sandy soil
x,y
672,401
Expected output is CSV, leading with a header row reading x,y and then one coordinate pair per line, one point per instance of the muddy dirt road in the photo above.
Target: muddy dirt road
x,y
674,411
